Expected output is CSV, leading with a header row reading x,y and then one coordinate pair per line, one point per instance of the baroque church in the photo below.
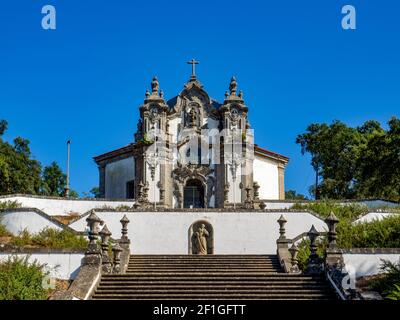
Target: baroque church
x,y
184,156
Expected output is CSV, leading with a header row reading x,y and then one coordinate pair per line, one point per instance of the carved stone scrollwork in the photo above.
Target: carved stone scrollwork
x,y
183,172
210,189
226,191
178,195
140,191
256,187
249,201
146,192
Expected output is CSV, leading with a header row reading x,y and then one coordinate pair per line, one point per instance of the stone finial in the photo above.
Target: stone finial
x,y
313,234
240,94
248,195
282,221
105,235
233,86
155,86
93,222
332,221
161,94
256,187
294,261
147,94
116,249
226,94
124,231
313,264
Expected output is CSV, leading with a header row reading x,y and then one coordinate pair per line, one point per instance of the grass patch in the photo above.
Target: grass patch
x,y
21,280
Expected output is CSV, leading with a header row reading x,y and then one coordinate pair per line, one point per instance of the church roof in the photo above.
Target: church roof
x,y
117,153
126,151
172,102
264,152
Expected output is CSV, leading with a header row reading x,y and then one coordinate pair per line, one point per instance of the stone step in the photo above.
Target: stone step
x,y
245,262
222,296
211,256
212,292
249,263
223,277
180,277
210,286
205,270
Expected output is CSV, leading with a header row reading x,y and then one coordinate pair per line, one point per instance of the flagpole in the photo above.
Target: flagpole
x,y
68,158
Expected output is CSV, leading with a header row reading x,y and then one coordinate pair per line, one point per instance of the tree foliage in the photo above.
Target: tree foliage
x,y
293,195
360,162
21,173
54,180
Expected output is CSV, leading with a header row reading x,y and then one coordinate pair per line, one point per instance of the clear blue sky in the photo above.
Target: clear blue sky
x,y
85,80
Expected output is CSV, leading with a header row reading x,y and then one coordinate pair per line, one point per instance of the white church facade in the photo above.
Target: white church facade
x,y
193,152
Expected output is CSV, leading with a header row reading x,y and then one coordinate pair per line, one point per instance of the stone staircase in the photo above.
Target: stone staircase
x,y
175,277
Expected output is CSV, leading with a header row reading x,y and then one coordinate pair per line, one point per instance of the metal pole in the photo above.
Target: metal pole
x,y
68,160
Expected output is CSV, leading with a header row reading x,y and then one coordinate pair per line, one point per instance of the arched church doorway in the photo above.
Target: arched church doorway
x,y
201,238
193,194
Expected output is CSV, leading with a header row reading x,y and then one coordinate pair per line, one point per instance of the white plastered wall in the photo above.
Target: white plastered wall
x,y
234,232
118,173
16,221
265,172
367,264
58,206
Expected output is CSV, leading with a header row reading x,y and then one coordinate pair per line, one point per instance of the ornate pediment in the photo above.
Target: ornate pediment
x,y
191,171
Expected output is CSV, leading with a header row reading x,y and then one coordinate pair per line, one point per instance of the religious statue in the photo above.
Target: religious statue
x,y
192,117
154,85
201,240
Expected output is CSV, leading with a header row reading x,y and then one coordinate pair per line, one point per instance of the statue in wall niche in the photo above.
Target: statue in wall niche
x,y
192,117
201,240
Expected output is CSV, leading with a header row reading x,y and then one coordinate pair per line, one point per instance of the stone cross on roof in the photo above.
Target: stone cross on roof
x,y
193,62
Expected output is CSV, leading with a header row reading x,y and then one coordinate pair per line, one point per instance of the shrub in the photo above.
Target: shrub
x,y
389,283
304,251
3,230
394,294
347,212
9,205
21,280
50,238
383,233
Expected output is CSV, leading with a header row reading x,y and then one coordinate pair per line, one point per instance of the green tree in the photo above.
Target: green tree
x,y
354,162
293,195
19,173
54,180
95,191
